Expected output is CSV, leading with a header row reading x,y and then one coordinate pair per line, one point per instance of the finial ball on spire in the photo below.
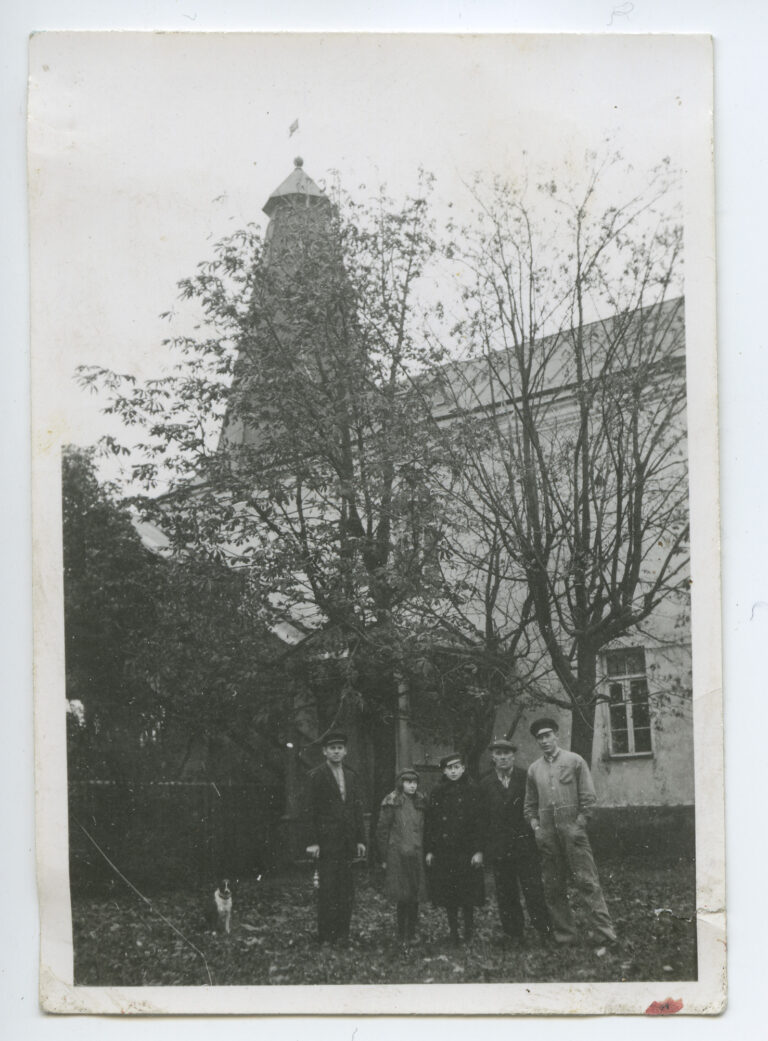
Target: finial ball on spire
x,y
298,161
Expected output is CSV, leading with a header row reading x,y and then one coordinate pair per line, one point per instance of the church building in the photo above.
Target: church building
x,y
642,753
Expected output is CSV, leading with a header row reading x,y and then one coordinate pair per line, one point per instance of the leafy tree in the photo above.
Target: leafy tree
x,y
215,677
110,593
175,676
318,487
569,414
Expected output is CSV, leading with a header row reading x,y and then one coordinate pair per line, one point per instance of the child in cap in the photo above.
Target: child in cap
x,y
453,843
400,837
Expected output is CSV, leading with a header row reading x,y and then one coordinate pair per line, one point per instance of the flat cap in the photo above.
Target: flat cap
x,y
338,736
452,757
407,775
545,723
501,744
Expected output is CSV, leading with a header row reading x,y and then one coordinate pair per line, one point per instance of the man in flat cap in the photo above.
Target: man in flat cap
x,y
336,832
559,796
510,847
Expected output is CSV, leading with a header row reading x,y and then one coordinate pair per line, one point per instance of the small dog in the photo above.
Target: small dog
x,y
220,908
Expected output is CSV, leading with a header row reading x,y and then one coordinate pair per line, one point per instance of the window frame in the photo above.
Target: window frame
x,y
626,679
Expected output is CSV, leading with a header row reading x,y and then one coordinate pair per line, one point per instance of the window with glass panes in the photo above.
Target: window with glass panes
x,y
628,706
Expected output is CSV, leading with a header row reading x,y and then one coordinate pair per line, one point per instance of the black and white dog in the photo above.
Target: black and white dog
x,y
220,908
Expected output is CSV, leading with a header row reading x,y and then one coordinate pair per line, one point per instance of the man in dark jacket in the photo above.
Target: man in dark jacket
x,y
336,832
510,848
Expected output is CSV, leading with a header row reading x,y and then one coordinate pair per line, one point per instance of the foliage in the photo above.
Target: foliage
x,y
111,585
121,941
174,673
214,671
318,486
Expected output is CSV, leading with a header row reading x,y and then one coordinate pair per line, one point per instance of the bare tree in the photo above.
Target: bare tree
x,y
475,623
567,418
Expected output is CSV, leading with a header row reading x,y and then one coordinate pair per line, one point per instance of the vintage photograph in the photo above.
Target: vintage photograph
x,y
376,554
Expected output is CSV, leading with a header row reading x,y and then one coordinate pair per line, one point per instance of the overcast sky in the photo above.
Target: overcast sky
x,y
146,148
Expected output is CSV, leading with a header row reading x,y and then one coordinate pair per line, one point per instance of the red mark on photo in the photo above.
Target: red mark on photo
x,y
664,1008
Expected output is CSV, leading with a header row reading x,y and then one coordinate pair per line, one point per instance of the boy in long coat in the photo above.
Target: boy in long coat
x,y
336,832
453,843
400,837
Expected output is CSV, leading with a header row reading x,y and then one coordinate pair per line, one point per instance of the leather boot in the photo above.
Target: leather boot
x,y
410,923
468,914
402,921
453,925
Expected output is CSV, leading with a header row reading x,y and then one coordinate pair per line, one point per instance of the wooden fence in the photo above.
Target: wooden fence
x,y
170,833
166,834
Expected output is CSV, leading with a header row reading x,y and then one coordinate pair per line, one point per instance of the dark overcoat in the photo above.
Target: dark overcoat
x,y
334,824
506,830
453,833
400,838
510,850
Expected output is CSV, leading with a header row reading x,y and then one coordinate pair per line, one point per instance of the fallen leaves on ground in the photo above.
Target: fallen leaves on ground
x,y
120,941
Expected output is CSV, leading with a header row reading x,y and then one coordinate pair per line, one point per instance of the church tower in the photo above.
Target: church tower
x,y
296,203
300,282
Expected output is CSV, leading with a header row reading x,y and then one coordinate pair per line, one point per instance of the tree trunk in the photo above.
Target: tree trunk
x,y
583,715
382,733
478,735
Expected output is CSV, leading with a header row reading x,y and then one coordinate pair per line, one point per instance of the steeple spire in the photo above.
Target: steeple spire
x,y
300,251
296,188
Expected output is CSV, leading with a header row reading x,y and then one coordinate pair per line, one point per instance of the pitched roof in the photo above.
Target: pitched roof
x,y
490,381
297,185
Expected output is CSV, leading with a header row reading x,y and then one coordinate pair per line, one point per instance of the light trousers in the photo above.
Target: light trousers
x,y
566,853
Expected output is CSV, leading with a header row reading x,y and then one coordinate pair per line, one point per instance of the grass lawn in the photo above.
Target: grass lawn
x,y
121,941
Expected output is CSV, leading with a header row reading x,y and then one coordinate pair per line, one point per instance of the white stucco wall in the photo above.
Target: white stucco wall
x,y
664,778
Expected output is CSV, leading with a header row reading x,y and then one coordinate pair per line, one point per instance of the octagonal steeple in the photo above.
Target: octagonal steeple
x,y
296,189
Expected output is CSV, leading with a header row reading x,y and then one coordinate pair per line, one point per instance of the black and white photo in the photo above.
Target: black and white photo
x,y
375,473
